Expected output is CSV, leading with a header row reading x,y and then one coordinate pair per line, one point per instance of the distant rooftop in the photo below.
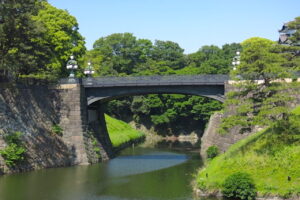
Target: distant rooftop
x,y
285,34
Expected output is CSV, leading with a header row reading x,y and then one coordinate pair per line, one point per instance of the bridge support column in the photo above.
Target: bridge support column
x,y
73,121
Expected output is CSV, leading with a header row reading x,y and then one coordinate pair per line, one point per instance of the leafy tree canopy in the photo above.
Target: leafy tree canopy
x,y
20,49
61,36
36,39
121,53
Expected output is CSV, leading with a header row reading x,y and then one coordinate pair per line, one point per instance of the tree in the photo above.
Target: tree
x,y
258,103
295,25
294,57
169,52
20,49
36,39
121,53
260,60
61,36
211,59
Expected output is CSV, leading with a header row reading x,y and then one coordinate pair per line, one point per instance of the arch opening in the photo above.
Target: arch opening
x,y
181,113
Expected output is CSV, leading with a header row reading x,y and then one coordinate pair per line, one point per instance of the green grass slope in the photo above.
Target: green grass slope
x,y
120,132
297,110
268,157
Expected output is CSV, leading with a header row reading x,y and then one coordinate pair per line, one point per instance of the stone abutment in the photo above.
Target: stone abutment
x,y
34,110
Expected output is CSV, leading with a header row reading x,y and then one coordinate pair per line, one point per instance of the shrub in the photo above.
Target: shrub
x,y
14,151
56,129
212,151
96,148
239,186
13,137
95,144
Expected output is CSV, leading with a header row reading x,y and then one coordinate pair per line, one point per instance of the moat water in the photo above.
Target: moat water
x,y
163,172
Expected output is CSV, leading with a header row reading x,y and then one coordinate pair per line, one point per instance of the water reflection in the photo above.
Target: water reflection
x,y
180,146
136,164
139,173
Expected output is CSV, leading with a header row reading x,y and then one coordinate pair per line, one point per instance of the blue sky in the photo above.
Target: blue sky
x,y
190,23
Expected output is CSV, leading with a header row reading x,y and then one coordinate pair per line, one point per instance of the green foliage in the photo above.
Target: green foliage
x,y
57,130
95,144
172,112
212,59
14,151
96,147
61,36
239,186
296,111
290,125
269,156
12,154
119,53
259,60
292,52
20,49
212,151
37,39
121,132
263,103
170,53
122,54
295,24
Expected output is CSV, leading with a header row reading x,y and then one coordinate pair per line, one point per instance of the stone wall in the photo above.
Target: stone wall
x,y
211,135
33,110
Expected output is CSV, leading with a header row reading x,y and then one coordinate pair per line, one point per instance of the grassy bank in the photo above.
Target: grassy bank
x,y
268,157
120,132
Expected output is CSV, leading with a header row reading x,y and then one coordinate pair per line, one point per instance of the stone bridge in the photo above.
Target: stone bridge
x,y
99,89
84,98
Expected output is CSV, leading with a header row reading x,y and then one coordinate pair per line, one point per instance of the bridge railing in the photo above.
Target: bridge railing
x,y
217,79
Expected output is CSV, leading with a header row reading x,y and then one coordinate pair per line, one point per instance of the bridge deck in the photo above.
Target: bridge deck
x,y
217,79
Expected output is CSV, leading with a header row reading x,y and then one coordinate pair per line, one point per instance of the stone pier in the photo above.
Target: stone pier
x,y
73,121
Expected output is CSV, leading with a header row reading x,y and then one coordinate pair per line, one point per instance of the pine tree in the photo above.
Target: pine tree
x,y
262,96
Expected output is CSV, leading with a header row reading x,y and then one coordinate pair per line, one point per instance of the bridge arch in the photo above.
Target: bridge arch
x,y
107,88
102,95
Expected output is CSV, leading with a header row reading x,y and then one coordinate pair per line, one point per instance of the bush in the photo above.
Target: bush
x,y
212,151
57,130
239,186
14,151
96,147
95,144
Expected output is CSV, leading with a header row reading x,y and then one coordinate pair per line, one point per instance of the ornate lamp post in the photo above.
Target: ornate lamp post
x,y
72,65
89,70
236,60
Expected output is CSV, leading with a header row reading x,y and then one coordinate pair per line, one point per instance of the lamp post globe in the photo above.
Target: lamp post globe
x,y
236,60
72,66
89,70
